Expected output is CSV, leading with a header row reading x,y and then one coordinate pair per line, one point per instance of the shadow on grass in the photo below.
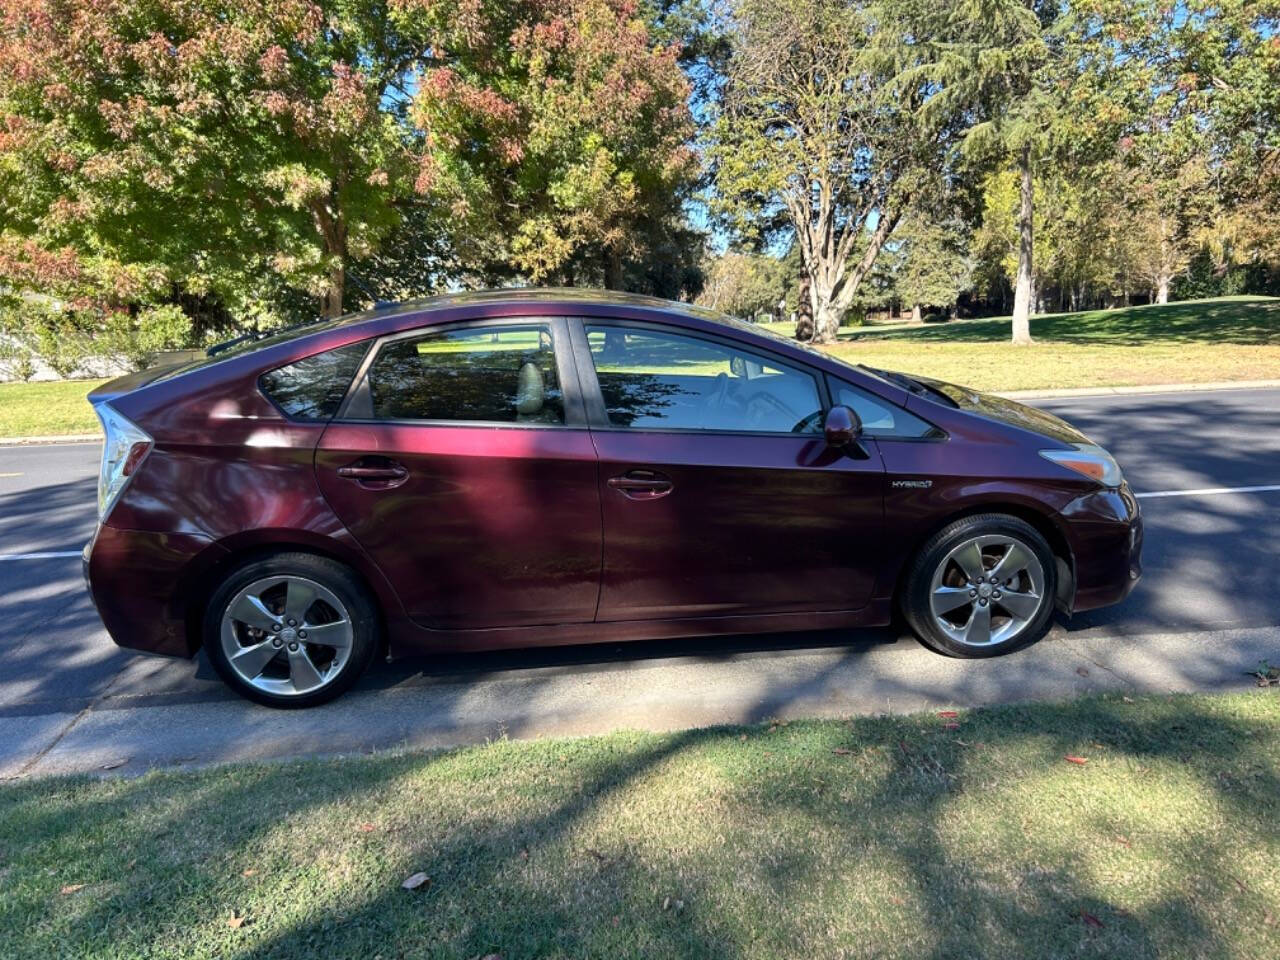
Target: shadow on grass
x,y
913,840
1241,321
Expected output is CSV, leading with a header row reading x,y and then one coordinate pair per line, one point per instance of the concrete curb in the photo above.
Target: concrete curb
x,y
53,438
1126,391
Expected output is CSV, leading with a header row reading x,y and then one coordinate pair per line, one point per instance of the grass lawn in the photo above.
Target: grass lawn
x,y
47,409
1202,341
918,836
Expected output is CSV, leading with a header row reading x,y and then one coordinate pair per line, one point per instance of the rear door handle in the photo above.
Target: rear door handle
x,y
377,473
642,484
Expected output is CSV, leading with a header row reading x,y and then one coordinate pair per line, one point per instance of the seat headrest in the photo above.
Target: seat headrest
x,y
531,392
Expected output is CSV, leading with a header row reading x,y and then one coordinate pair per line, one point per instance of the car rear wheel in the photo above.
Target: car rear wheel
x,y
291,630
982,586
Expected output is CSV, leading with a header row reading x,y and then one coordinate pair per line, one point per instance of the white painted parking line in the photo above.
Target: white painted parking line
x,y
1208,491
51,555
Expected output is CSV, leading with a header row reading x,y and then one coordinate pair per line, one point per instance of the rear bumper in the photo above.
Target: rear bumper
x,y
141,584
1106,533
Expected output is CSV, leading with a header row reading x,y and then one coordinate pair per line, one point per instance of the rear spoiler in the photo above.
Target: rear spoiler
x,y
132,381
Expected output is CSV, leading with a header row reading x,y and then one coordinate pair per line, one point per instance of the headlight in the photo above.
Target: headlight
x,y
1090,460
124,447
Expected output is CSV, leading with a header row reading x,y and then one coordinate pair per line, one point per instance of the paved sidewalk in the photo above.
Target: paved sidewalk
x,y
114,734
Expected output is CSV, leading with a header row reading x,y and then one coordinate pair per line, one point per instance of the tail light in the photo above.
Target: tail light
x,y
124,447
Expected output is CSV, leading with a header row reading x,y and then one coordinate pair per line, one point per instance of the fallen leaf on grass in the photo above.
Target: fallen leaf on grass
x,y
1124,841
842,751
416,881
1268,918
71,888
248,872
367,828
236,920
1091,921
1079,760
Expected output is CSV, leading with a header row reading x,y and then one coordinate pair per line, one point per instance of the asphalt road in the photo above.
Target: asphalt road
x,y
1205,613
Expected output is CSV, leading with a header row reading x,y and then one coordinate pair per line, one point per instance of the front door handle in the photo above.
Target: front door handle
x,y
376,473
642,484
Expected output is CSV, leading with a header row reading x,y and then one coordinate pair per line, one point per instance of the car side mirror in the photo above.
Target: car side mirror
x,y
841,426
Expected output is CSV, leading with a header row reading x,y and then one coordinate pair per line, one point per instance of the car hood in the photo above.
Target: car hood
x,y
1007,411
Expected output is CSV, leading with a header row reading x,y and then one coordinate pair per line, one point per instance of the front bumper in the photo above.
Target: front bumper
x,y
1105,529
142,585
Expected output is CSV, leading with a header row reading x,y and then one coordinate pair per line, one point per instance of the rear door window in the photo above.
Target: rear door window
x,y
490,374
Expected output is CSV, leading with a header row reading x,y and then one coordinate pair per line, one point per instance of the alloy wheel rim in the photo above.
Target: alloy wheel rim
x,y
987,590
287,635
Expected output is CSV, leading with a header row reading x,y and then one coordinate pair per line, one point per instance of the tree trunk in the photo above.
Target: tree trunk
x,y
332,305
1022,290
612,269
915,312
1162,287
826,322
804,311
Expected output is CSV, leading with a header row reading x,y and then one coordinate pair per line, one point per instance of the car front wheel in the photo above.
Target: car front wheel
x,y
982,586
291,630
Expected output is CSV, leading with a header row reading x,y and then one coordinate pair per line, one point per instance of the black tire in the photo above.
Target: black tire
x,y
332,576
918,585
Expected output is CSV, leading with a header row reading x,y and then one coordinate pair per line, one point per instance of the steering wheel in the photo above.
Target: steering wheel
x,y
720,392
759,404
810,424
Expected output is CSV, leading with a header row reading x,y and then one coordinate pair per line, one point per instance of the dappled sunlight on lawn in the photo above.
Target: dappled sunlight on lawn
x,y
924,836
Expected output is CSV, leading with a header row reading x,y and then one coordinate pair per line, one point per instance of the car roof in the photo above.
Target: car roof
x,y
539,295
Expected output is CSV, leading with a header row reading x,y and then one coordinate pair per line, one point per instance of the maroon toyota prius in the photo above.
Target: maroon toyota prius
x,y
508,469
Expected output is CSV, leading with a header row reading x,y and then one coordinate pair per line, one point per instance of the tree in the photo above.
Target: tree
x,y
225,149
744,284
928,261
807,143
990,65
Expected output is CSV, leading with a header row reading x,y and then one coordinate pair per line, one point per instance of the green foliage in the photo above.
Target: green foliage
x,y
235,159
744,284
928,264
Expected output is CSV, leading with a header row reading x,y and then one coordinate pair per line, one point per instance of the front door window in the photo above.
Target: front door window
x,y
667,381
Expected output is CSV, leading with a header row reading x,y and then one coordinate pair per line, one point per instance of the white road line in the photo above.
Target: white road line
x,y
52,555
1208,491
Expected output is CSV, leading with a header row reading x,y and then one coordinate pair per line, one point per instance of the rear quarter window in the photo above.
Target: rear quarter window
x,y
312,388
